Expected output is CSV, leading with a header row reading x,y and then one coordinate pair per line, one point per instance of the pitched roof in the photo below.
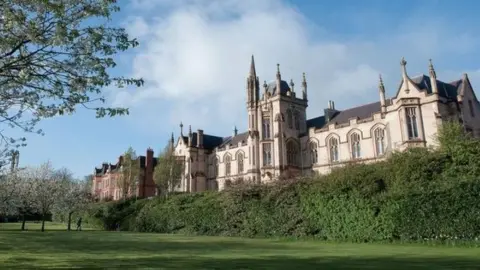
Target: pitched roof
x,y
209,141
234,140
446,90
272,88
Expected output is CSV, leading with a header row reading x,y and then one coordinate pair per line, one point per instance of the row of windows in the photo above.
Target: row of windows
x,y
228,165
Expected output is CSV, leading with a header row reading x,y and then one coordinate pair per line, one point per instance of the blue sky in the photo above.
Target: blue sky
x,y
194,56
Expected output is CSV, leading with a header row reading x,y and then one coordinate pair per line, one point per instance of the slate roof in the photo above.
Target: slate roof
x,y
446,90
234,140
272,88
209,141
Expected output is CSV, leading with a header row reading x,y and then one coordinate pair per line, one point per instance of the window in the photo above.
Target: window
x,y
228,164
470,107
297,120
292,153
355,145
289,118
267,154
240,163
266,128
215,168
333,145
253,155
379,136
313,152
411,123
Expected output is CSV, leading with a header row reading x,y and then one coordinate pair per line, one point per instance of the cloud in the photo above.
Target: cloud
x,y
195,56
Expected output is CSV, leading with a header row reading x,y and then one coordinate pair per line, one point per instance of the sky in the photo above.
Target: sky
x,y
194,56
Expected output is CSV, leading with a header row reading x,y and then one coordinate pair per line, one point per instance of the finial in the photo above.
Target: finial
x,y
278,72
265,85
304,78
190,129
431,69
465,76
181,128
278,68
292,84
403,62
172,137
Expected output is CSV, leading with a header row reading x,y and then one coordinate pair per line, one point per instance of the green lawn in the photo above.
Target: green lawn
x,y
122,250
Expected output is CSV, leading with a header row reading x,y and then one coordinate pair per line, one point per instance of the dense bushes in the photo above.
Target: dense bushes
x,y
414,195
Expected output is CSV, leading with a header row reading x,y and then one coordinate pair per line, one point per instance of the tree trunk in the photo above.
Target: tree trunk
x,y
69,226
43,222
24,219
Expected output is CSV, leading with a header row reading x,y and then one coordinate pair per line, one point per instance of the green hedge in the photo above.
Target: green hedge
x,y
414,195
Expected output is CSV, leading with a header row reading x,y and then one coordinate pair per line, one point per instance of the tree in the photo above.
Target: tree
x,y
46,187
9,185
24,201
73,196
168,171
55,56
127,181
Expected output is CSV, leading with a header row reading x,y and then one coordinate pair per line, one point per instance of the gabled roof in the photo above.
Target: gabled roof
x,y
234,140
209,141
447,90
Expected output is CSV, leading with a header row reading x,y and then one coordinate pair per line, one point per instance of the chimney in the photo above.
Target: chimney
x,y
200,138
147,188
330,111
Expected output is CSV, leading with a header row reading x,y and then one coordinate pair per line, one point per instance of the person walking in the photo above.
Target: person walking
x,y
79,224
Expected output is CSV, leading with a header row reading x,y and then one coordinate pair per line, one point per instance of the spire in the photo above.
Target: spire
x,y
181,128
433,77
431,69
304,86
253,73
381,86
172,140
235,131
292,85
189,130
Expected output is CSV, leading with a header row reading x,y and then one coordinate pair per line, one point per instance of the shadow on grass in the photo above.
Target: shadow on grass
x,y
192,262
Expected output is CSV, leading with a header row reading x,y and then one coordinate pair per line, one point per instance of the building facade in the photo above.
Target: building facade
x,y
107,179
281,140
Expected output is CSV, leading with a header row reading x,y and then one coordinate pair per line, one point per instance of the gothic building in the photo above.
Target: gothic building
x,y
280,139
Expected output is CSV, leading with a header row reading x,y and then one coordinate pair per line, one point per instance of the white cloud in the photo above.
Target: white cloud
x,y
195,57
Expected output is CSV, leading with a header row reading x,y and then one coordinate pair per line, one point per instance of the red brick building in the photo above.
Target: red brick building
x,y
105,178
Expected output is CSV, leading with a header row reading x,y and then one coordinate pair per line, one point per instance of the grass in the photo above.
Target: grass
x,y
123,250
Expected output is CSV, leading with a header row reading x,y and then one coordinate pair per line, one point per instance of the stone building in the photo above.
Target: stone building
x,y
106,179
280,139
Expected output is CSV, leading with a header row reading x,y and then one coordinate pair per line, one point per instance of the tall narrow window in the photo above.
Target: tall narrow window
x,y
266,128
292,153
470,107
240,163
411,123
297,120
253,155
313,152
267,154
289,118
333,145
215,171
355,145
228,165
379,136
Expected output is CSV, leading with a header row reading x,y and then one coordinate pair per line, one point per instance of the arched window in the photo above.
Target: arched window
x,y
240,163
289,118
333,145
379,137
266,128
267,154
297,120
412,129
292,153
355,145
313,152
228,165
